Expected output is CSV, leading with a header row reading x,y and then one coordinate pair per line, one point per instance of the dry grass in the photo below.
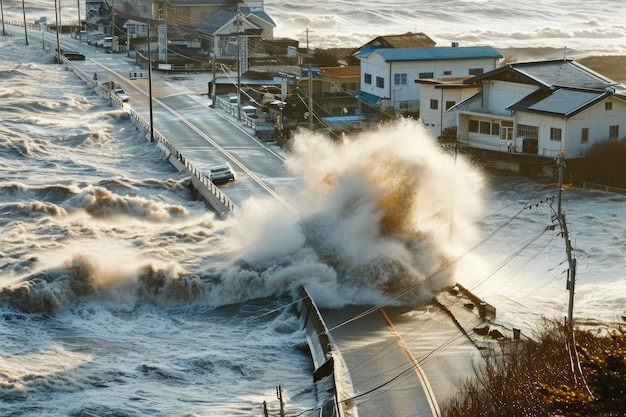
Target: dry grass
x,y
527,378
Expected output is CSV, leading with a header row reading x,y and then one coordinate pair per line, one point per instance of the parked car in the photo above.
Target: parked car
x,y
93,38
221,173
122,94
70,55
106,42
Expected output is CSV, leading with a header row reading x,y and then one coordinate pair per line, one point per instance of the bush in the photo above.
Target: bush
x,y
528,378
604,163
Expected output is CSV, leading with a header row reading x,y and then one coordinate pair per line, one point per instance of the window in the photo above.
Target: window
x,y
425,75
399,79
608,105
584,135
448,72
495,129
450,104
528,132
473,126
555,134
434,104
485,128
506,130
368,78
380,82
614,132
475,71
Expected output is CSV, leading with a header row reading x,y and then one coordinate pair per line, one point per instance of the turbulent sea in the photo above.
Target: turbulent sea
x,y
122,296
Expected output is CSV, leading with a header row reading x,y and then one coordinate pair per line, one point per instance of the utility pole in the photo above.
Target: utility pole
x,y
25,30
57,12
279,395
571,273
113,25
4,33
80,31
238,62
150,85
213,86
310,98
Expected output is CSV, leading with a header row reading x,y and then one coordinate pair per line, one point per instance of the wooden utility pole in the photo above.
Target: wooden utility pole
x,y
279,395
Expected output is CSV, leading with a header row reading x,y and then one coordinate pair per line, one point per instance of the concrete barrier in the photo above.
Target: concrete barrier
x,y
329,374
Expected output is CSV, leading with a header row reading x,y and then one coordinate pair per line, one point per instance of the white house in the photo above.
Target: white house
x,y
542,109
388,74
437,95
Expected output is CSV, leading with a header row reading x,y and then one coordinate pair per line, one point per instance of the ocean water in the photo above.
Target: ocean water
x,y
122,296
548,28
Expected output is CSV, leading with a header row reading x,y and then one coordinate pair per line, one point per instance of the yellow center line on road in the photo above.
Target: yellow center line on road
x,y
430,395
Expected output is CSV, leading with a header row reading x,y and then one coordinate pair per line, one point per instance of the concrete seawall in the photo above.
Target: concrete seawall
x,y
330,375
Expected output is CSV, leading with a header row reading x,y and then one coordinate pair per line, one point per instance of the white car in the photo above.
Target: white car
x,y
221,173
123,95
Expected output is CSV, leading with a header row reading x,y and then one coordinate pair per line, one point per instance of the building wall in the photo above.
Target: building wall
x,y
394,94
498,95
438,119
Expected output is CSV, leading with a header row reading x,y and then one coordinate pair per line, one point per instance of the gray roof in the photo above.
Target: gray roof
x,y
552,74
563,102
433,54
217,20
260,14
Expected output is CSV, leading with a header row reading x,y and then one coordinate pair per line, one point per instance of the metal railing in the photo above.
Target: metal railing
x,y
103,89
601,187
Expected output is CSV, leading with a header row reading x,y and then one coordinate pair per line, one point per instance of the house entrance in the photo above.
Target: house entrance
x,y
530,146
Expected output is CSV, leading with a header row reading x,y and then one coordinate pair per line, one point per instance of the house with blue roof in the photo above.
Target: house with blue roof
x,y
388,75
541,109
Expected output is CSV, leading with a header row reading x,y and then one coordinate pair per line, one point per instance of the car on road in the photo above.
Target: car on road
x,y
93,38
106,42
121,94
70,55
221,173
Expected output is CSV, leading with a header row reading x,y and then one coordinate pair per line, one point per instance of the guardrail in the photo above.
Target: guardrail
x,y
202,179
601,187
328,372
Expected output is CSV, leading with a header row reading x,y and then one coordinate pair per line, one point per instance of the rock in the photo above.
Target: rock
x,y
496,334
482,331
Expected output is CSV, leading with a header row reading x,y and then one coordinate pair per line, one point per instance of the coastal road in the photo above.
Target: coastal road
x,y
401,361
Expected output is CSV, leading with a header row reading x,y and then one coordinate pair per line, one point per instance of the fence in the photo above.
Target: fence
x,y
601,187
203,180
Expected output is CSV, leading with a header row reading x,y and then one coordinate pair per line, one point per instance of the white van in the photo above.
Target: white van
x,y
106,42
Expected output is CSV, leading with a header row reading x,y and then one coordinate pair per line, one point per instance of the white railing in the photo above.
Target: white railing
x,y
223,199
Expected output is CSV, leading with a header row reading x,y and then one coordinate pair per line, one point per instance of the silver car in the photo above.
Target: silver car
x,y
123,95
221,173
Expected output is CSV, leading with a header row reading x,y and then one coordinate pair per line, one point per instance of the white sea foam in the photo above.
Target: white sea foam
x,y
133,282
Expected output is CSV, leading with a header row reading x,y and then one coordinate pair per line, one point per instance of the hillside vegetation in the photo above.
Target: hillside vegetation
x,y
533,378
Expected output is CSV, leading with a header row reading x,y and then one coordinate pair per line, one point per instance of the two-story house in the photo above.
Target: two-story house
x,y
246,23
437,96
388,74
541,109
